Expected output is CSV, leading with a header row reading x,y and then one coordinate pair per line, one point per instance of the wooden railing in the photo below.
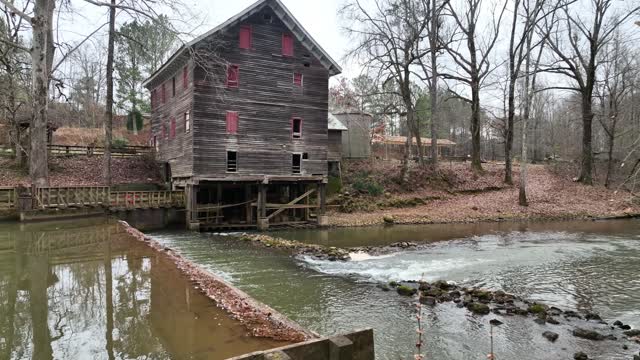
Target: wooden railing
x,y
8,197
77,196
120,151
94,196
146,199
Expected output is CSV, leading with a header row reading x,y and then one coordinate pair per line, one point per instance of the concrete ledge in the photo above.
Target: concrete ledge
x,y
357,345
55,214
263,224
323,220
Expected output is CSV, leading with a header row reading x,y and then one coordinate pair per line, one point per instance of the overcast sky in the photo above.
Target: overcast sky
x,y
319,18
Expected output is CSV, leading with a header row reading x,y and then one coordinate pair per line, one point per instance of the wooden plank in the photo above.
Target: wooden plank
x,y
294,201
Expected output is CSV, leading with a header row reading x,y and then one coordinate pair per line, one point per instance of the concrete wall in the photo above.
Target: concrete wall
x,y
354,346
151,219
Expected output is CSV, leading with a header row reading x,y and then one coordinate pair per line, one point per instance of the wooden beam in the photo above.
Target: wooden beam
x,y
295,201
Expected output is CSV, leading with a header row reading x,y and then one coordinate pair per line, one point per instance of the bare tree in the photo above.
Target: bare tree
x,y
473,63
578,37
612,91
517,53
14,79
389,42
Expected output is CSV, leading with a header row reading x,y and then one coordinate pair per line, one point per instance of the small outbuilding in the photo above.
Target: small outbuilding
x,y
356,142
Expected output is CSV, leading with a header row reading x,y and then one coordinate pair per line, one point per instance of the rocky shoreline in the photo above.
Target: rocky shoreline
x,y
383,218
258,318
484,302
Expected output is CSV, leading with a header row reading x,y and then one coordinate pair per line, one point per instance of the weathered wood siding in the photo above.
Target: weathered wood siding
x,y
335,145
177,151
266,101
356,142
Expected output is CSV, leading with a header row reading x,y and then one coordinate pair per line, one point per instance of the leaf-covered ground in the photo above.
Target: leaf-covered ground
x,y
471,198
84,170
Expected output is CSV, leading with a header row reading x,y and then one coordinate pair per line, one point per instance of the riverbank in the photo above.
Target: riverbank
x,y
260,319
552,196
84,171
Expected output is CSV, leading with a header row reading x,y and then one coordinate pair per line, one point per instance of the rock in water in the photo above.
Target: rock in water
x,y
550,335
593,316
478,308
580,356
588,334
428,300
406,290
632,333
552,320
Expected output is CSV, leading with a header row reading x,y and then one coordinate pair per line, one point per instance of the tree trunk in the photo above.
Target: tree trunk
x,y
476,162
587,130
433,84
41,64
611,138
404,171
511,112
508,141
108,121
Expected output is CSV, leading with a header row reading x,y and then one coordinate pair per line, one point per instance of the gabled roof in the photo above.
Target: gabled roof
x,y
335,124
285,16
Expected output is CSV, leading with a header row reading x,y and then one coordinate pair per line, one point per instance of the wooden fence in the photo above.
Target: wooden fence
x,y
120,151
94,196
8,197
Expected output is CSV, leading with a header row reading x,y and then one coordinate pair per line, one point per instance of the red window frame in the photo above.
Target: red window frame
x,y
185,77
233,76
246,37
172,129
294,134
298,79
164,94
287,45
232,122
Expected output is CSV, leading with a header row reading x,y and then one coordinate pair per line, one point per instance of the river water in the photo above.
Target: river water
x,y
85,290
591,266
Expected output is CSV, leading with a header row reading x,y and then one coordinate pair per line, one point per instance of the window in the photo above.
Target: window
x,y
172,133
233,76
187,122
185,77
296,164
297,79
287,45
173,87
296,128
232,122
164,94
267,18
305,156
245,37
232,161
165,133
156,145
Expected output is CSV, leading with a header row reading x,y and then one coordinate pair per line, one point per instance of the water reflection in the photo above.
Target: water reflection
x,y
85,290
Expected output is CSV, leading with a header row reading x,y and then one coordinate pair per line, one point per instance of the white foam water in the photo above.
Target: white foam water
x,y
399,266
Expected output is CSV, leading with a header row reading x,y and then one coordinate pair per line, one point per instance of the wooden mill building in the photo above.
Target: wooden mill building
x,y
239,115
